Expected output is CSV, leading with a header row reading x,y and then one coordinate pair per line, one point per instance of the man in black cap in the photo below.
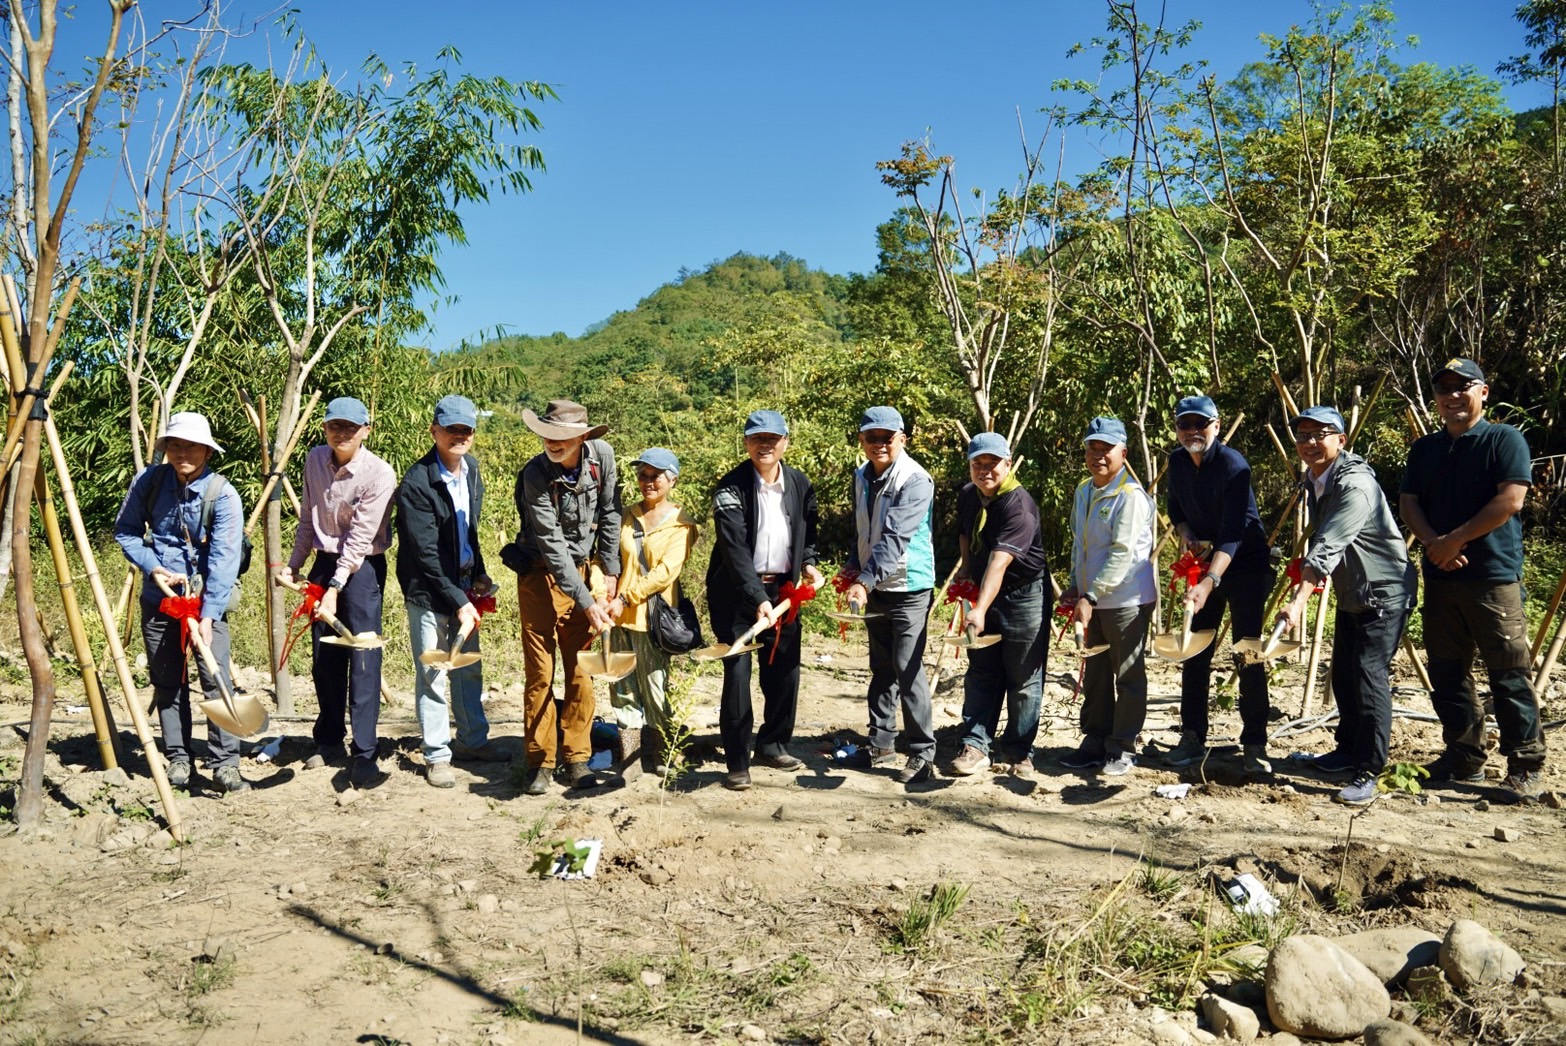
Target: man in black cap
x,y
1213,508
764,515
1461,493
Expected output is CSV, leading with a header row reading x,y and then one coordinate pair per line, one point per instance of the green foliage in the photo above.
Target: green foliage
x,y
1402,777
544,860
916,928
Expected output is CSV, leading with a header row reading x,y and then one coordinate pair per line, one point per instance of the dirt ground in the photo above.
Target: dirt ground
x,y
828,905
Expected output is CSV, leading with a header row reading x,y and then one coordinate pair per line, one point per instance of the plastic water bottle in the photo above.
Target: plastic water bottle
x,y
269,750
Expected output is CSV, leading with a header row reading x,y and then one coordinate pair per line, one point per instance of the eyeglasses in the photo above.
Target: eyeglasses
x,y
1303,438
878,437
1456,390
649,475
457,431
1193,423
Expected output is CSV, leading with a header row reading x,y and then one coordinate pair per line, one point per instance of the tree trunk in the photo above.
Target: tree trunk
x,y
29,793
277,624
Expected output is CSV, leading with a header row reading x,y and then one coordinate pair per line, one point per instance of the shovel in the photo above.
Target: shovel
x,y
1187,644
361,641
743,644
969,638
606,663
242,716
854,614
447,661
1083,650
1274,646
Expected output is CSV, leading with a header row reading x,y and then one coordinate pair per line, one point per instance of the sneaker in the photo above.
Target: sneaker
x,y
1190,751
488,752
537,782
178,773
1021,766
916,771
1254,761
1448,767
440,775
228,780
1359,792
1084,758
1523,786
969,761
881,757
1336,761
365,773
1118,765
326,757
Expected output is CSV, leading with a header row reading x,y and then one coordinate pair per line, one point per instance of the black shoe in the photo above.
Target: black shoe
x,y
329,756
737,781
1336,761
1083,758
178,773
365,773
537,782
1451,768
779,762
917,771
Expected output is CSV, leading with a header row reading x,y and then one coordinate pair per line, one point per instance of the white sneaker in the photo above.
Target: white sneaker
x,y
1118,765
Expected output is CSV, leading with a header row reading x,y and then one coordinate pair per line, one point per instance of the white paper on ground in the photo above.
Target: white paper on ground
x,y
1179,791
589,866
1257,900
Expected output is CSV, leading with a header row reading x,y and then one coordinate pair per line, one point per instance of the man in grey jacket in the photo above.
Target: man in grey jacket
x,y
1355,541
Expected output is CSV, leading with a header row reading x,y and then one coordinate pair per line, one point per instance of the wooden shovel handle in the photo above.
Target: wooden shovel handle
x,y
331,622
202,649
778,610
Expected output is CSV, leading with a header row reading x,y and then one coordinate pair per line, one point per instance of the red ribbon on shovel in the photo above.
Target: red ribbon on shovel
x,y
1188,569
842,581
797,596
966,589
1293,571
187,611
305,610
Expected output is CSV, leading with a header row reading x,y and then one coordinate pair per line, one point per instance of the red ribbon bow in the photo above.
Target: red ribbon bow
x,y
484,604
845,579
1188,569
1293,572
967,589
185,609
306,610
797,596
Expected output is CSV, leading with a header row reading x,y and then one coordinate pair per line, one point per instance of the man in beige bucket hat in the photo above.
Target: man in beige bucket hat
x,y
568,498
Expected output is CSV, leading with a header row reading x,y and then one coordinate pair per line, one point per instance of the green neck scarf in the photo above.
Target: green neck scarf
x,y
975,541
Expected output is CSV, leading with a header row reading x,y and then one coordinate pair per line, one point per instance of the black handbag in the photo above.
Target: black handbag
x,y
674,630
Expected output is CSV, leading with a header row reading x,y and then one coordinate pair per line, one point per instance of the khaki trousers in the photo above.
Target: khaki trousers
x,y
550,618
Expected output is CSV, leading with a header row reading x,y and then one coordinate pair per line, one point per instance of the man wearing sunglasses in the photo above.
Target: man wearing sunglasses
x,y
894,557
1355,541
1213,508
1461,494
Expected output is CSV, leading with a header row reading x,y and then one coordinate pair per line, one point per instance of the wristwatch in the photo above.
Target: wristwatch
x,y
1092,599
335,585
1216,579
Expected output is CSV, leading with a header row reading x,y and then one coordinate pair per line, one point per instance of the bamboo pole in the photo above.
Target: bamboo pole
x,y
1543,675
1549,617
1283,395
28,394
276,471
155,760
1315,650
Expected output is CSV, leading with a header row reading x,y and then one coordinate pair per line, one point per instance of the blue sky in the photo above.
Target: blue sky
x,y
688,131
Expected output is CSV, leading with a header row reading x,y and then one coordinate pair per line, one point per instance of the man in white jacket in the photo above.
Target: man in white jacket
x,y
1113,588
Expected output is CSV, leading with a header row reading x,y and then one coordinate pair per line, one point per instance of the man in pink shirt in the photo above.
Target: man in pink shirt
x,y
346,522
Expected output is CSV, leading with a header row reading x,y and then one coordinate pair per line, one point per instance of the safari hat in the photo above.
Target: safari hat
x,y
563,419
190,427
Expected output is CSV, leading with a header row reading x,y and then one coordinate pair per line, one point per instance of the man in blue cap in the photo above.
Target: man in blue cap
x,y
1461,495
440,566
1002,549
346,522
1112,591
1355,541
894,558
764,515
1213,508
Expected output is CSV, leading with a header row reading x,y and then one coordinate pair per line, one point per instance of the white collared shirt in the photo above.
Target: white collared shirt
x,y
774,536
1319,483
457,486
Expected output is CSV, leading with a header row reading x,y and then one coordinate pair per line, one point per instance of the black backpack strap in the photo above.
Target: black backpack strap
x,y
164,470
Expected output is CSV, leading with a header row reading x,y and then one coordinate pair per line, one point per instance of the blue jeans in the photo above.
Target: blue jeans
x,y
1011,670
1363,645
430,630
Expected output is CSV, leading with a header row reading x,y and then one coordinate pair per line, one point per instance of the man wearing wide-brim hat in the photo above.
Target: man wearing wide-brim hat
x,y
183,524
568,498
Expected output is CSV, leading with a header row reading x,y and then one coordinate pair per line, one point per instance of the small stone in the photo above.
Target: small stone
x,y
1230,1020
1472,844
1431,799
780,814
1472,957
1394,1033
117,777
1482,806
488,904
1169,1033
1551,800
508,905
654,876
349,797
1427,984
300,889
753,1034
1507,835
217,949
832,845
898,884
1283,1038
651,978
1318,990
1555,1006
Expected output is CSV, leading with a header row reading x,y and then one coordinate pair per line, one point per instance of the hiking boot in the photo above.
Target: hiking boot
x,y
1190,751
579,775
537,782
326,757
178,773
916,771
365,773
1254,761
488,752
1359,792
1020,766
228,780
1087,757
1118,765
969,761
1336,761
440,775
879,758
1451,768
1523,786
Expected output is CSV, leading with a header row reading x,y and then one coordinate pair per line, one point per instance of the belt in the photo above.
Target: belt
x,y
772,579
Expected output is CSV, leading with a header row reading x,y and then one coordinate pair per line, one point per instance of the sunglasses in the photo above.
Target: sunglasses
x,y
1193,423
1455,390
458,431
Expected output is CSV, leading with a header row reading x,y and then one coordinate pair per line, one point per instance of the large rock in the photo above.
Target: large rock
x,y
1318,990
1472,957
1230,1020
1392,952
1394,1033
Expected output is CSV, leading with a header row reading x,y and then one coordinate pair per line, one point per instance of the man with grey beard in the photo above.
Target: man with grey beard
x,y
1213,508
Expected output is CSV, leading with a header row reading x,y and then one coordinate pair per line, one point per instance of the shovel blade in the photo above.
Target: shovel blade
x,y
1262,651
843,615
362,641
963,641
1170,648
247,718
612,665
1086,652
445,661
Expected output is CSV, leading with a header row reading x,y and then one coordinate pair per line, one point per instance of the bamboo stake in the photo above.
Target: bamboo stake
x,y
1288,459
1543,675
1283,394
276,471
29,395
1549,618
1315,650
155,760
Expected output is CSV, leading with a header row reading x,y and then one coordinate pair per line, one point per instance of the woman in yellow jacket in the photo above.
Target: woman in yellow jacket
x,y
655,540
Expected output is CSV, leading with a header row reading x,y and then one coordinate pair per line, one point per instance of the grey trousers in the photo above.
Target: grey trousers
x,y
168,667
897,674
1114,684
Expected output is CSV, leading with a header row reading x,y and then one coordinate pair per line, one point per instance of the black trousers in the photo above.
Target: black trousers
x,y
1363,645
779,691
348,681
1245,594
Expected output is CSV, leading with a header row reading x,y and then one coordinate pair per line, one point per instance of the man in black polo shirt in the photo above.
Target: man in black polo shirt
x,y
1213,508
1462,491
1002,550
